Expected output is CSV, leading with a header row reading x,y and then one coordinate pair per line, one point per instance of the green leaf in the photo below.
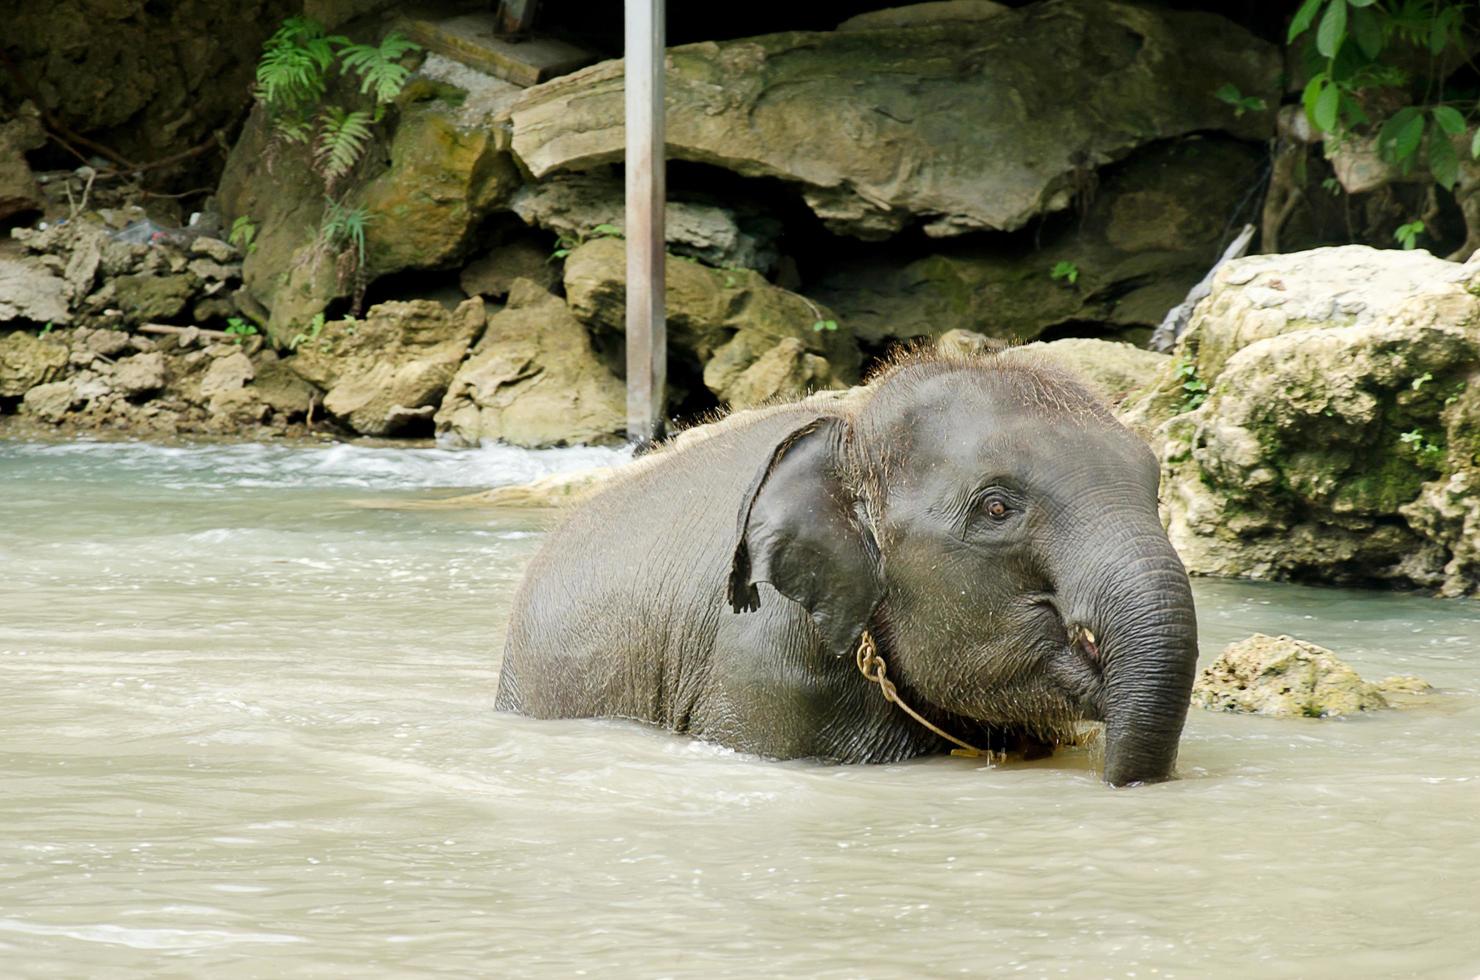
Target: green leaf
x,y
1312,94
1443,161
1332,30
1360,3
1439,33
1303,19
1367,29
1449,119
1475,145
1401,135
1326,105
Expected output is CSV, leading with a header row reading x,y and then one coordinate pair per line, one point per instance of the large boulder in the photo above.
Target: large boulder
x,y
727,319
963,125
445,171
387,373
1285,678
576,205
1151,227
1319,420
533,380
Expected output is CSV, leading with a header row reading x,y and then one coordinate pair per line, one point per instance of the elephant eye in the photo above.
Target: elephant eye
x,y
996,508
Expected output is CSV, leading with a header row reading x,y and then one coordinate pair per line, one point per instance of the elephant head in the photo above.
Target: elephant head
x,y
996,529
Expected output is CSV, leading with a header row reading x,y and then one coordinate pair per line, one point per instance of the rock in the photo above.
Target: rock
x,y
962,125
29,292
1404,684
1338,436
144,297
148,80
1283,677
495,271
27,361
81,271
141,374
215,249
726,318
277,386
574,206
50,401
19,193
967,343
229,370
964,12
443,177
1111,368
786,372
400,358
533,380
1153,227
444,174
212,271
87,344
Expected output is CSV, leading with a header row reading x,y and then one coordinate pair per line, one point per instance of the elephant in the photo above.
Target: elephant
x,y
980,526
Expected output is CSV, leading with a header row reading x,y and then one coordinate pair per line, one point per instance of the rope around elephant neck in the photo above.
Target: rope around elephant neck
x,y
874,670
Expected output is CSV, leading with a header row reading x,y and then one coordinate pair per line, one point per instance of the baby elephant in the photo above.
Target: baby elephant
x,y
979,534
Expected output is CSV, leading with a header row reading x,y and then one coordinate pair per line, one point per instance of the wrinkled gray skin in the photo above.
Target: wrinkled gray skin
x,y
971,514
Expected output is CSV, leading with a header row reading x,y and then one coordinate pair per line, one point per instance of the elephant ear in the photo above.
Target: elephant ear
x,y
800,530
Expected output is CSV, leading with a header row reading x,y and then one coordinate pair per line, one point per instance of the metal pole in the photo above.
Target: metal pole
x,y
647,328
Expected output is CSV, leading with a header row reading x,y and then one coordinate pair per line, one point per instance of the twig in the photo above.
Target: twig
x,y
166,328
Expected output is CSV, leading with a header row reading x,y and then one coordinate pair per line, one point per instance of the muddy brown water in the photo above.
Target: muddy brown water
x,y
246,729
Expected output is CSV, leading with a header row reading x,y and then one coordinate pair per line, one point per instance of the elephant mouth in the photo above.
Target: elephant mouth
x,y
1076,663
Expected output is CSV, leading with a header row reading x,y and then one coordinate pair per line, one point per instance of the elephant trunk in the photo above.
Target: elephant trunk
x,y
1137,600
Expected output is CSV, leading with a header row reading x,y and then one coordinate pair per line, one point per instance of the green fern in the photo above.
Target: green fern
x,y
343,228
294,64
378,67
341,142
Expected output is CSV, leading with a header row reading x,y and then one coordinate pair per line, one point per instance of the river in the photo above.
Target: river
x,y
246,728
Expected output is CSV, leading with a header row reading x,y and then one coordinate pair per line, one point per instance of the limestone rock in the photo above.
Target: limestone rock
x,y
50,401
29,292
229,370
141,374
1113,369
533,380
144,297
214,248
964,125
19,193
277,386
575,205
400,358
1283,677
1151,230
726,318
1338,439
494,272
965,12
27,361
444,174
967,343
148,80
443,177
786,372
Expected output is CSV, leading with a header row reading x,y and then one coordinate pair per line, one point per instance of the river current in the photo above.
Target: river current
x,y
246,730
